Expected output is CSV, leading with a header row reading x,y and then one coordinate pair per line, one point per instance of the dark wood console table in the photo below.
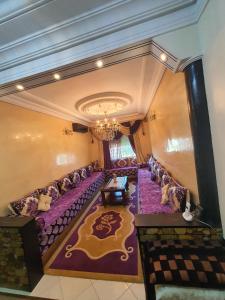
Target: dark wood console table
x,y
173,226
21,264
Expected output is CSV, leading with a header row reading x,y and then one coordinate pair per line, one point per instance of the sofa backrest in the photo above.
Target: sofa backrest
x,y
124,162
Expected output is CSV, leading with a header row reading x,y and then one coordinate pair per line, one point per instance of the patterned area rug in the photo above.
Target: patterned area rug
x,y
102,245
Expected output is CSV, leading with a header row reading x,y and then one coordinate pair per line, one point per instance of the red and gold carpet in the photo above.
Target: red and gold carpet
x,y
102,245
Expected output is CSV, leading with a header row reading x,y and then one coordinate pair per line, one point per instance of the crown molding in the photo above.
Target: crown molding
x,y
36,55
62,25
25,9
48,108
186,62
87,65
29,101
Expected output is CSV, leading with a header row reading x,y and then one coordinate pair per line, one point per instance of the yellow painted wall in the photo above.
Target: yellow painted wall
x,y
170,132
34,151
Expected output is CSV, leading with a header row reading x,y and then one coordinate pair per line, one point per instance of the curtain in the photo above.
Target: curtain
x,y
121,148
115,149
138,148
106,152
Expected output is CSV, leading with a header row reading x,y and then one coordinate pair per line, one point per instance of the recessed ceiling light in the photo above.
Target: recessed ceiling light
x,y
20,87
163,57
56,76
99,63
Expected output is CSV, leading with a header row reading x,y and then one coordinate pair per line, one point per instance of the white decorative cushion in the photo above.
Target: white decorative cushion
x,y
165,196
66,184
44,202
30,206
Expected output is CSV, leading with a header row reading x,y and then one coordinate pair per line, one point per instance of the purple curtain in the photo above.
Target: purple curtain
x,y
106,152
134,127
118,135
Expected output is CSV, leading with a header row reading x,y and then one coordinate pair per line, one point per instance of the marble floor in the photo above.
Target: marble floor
x,y
69,288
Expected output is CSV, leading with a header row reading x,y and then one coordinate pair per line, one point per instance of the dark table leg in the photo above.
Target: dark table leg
x,y
103,197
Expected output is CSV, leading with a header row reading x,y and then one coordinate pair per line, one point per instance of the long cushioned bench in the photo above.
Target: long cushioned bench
x,y
68,195
131,172
123,167
53,222
150,194
159,192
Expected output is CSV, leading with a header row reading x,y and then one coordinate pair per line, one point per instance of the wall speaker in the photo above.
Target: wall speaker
x,y
79,128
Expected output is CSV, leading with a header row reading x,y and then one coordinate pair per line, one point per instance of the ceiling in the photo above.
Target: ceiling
x,y
130,86
41,35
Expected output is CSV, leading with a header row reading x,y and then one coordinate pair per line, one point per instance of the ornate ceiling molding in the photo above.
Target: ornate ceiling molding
x,y
14,9
185,62
99,31
101,103
29,101
87,65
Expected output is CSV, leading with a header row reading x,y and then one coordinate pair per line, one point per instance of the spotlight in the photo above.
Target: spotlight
x,y
163,57
57,76
99,63
20,87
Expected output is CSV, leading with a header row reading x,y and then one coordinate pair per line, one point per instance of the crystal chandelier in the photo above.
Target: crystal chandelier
x,y
107,128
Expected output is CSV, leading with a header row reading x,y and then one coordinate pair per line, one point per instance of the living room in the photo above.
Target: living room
x,y
103,159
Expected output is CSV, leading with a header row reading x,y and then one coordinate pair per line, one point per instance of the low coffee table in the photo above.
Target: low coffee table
x,y
115,194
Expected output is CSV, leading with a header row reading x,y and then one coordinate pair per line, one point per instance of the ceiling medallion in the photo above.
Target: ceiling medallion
x,y
97,104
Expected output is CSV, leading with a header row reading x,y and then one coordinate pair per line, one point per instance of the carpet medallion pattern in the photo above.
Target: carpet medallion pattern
x,y
102,245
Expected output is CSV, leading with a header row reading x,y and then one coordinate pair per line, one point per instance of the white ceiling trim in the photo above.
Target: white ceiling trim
x,y
145,25
24,9
141,80
35,103
60,26
157,77
38,104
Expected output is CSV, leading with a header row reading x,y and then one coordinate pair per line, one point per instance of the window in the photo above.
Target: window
x,y
121,148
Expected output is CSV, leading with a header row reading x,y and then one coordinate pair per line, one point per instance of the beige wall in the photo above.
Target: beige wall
x,y
34,151
170,132
97,152
212,40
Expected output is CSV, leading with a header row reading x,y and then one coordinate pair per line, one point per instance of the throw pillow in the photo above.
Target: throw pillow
x,y
52,191
160,173
76,178
65,184
177,195
90,169
83,173
26,205
44,202
166,179
165,196
153,176
30,206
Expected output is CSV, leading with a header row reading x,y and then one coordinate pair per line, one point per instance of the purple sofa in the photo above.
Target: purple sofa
x,y
151,181
150,195
123,167
68,194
